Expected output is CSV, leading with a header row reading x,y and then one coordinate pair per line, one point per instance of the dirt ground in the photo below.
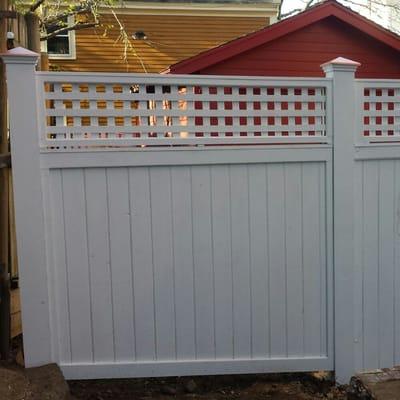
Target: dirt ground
x,y
46,383
234,387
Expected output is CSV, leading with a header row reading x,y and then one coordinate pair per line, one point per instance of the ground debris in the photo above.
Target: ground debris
x,y
43,383
232,387
379,384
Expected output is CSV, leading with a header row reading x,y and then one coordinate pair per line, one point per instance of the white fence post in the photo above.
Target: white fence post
x,y
342,73
22,96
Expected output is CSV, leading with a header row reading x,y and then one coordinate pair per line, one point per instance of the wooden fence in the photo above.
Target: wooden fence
x,y
10,314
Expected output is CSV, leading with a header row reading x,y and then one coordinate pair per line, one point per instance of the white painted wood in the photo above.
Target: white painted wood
x,y
157,79
371,264
79,271
277,289
184,237
311,260
160,107
396,278
224,197
143,264
183,263
203,263
358,266
325,257
48,217
222,251
163,260
327,217
342,75
101,277
119,219
378,111
60,266
115,137
294,221
377,152
386,289
188,259
241,279
206,367
377,264
198,156
21,84
259,251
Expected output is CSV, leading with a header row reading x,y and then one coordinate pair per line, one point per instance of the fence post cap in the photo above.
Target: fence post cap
x,y
340,64
19,55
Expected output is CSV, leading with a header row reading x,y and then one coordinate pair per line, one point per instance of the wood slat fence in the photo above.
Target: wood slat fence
x,y
174,225
10,315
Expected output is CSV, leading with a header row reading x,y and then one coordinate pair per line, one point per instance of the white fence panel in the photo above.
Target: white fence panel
x,y
377,263
209,267
377,205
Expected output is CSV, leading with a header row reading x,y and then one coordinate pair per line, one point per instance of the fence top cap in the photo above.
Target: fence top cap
x,y
341,61
19,55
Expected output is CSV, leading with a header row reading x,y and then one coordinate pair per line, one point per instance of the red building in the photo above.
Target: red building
x,y
298,45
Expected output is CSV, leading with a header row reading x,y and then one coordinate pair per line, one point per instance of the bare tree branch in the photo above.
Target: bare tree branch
x,y
289,13
36,5
376,8
89,7
75,27
125,40
294,11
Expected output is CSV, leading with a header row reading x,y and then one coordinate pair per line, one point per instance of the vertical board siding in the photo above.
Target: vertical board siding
x,y
183,263
121,265
203,263
240,261
97,216
143,264
78,270
163,259
61,272
222,249
259,266
212,262
311,262
377,263
277,296
294,260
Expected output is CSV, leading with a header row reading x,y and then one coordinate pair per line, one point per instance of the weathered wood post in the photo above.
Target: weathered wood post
x,y
342,71
4,198
25,152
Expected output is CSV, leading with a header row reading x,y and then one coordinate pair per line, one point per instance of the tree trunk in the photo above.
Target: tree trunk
x,y
33,32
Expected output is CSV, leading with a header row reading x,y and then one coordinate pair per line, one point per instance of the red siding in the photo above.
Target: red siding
x,y
300,53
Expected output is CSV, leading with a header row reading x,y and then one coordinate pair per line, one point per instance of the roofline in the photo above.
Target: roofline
x,y
155,8
279,29
256,9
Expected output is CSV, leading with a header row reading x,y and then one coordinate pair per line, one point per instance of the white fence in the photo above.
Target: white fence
x,y
174,225
377,226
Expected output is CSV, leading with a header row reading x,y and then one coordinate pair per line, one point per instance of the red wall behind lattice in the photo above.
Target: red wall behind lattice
x,y
300,53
